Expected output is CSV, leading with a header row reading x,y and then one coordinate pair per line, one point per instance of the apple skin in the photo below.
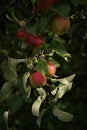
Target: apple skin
x,y
34,40
51,68
21,34
60,25
43,5
37,79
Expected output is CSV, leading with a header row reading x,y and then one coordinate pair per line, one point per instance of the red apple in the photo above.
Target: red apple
x,y
34,40
51,68
44,5
37,79
21,34
60,25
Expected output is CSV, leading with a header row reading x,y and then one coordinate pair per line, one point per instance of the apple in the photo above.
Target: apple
x,y
34,40
21,34
51,68
60,25
43,5
37,79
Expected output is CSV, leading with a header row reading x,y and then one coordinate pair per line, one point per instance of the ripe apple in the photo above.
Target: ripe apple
x,y
34,40
51,68
60,25
21,34
44,5
37,79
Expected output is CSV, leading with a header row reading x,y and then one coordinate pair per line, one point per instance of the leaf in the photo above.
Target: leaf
x,y
61,115
67,80
27,88
36,105
5,117
9,68
9,71
12,12
62,89
5,90
63,9
42,66
36,50
59,48
43,24
14,103
38,121
75,2
33,1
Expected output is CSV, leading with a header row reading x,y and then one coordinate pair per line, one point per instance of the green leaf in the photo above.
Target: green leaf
x,y
59,48
75,2
43,24
14,103
9,70
61,115
42,66
36,50
54,61
5,90
20,86
33,1
32,29
63,9
12,12
38,121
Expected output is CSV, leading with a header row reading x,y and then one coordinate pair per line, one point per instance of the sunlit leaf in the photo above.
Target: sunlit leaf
x,y
61,115
5,117
27,88
67,80
62,89
36,105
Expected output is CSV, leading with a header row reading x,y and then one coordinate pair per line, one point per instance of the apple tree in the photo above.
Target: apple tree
x,y
37,32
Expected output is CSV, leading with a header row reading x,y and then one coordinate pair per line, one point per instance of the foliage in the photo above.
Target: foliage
x,y
19,99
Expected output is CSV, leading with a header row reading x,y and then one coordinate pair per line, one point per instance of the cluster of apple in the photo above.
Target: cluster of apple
x,y
58,25
32,40
38,79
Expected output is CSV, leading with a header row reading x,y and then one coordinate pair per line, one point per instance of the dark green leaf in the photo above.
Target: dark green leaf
x,y
63,9
75,2
33,1
43,24
59,48
36,50
42,66
20,85
14,103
